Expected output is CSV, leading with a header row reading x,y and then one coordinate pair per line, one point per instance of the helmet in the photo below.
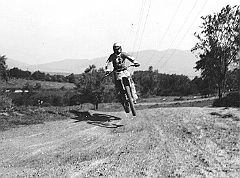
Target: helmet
x,y
116,47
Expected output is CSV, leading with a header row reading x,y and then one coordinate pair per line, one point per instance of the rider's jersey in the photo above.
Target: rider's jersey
x,y
118,61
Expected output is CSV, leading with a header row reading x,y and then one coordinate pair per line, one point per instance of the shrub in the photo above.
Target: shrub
x,y
40,98
77,99
230,100
5,103
19,101
48,99
37,86
57,100
67,98
63,88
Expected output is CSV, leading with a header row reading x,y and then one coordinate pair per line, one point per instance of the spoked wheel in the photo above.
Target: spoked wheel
x,y
124,102
126,107
130,100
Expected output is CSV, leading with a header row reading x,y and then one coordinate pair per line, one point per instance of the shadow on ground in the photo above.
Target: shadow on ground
x,y
101,120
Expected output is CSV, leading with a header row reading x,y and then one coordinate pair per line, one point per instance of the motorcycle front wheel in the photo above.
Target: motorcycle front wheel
x,y
130,99
124,102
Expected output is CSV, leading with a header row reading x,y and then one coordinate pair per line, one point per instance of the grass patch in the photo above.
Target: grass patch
x,y
5,102
230,100
22,116
19,83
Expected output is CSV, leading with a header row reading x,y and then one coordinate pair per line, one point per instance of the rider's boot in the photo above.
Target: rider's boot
x,y
135,97
134,93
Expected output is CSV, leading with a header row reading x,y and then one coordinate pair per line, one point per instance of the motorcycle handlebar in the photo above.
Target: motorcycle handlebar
x,y
131,65
134,65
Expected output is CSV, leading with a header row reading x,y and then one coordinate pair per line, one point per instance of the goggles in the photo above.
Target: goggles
x,y
117,47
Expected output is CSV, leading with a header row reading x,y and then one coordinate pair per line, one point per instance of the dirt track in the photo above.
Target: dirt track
x,y
162,142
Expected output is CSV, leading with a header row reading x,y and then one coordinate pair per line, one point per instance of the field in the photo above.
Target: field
x,y
165,139
19,83
21,116
169,137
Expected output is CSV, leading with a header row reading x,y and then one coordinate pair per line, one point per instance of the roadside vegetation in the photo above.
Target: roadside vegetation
x,y
230,100
92,87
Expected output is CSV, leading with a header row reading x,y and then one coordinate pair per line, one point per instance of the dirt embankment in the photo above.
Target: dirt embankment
x,y
163,142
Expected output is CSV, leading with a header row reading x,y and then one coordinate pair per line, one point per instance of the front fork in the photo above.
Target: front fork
x,y
126,82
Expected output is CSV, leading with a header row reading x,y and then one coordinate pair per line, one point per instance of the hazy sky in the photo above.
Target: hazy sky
x,y
41,31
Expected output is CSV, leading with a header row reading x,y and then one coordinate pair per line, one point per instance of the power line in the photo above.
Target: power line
x,y
184,34
165,32
139,23
178,32
143,28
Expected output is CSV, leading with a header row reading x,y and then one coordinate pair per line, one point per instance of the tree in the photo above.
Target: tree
x,y
218,46
18,73
90,85
37,75
3,68
48,77
233,80
70,78
153,83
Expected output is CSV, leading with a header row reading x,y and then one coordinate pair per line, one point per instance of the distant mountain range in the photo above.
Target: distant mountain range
x,y
171,61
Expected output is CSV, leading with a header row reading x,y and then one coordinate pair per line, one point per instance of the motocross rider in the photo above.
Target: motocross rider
x,y
117,58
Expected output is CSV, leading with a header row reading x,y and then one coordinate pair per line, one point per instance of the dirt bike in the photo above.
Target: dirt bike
x,y
126,93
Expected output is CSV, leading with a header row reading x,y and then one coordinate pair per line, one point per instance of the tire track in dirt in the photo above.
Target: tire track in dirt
x,y
163,142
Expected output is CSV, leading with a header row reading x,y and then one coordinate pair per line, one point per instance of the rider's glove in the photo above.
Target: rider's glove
x,y
136,64
107,73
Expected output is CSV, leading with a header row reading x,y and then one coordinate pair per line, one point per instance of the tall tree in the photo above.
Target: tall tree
x,y
3,68
18,73
37,75
90,85
218,45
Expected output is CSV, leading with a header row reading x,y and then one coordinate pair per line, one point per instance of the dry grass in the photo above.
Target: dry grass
x,y
22,116
19,83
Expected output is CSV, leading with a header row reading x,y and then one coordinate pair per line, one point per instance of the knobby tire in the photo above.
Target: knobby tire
x,y
130,99
124,102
